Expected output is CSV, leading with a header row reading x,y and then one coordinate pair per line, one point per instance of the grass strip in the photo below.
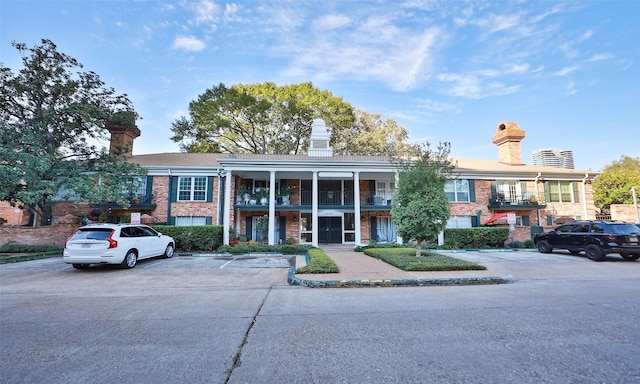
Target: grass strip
x,y
6,258
405,259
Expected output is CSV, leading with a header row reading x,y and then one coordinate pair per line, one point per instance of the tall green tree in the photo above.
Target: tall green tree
x,y
50,114
259,118
372,136
420,209
613,185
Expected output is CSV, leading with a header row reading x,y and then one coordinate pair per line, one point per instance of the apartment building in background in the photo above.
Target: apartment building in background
x,y
553,158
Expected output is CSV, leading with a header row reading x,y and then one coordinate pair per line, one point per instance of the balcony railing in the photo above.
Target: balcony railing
x,y
328,198
325,198
525,200
144,202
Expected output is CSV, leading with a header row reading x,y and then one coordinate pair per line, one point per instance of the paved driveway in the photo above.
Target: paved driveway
x,y
205,320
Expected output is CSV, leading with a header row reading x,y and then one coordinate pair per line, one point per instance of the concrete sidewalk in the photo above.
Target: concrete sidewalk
x,y
359,270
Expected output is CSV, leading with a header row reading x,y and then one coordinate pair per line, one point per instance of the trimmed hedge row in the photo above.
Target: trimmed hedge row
x,y
194,238
13,247
319,262
250,248
477,237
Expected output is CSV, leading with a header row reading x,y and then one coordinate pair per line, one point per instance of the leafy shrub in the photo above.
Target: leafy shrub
x,y
249,248
522,244
477,237
319,263
374,244
450,244
13,247
405,259
194,238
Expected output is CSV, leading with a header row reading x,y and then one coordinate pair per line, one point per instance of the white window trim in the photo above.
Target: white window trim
x,y
456,191
192,189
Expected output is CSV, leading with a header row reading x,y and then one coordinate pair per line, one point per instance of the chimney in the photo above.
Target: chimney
x,y
123,131
319,142
508,140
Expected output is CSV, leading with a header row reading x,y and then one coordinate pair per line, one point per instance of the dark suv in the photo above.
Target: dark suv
x,y
594,238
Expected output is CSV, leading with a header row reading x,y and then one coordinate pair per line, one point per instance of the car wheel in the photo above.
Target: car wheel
x,y
574,252
80,266
630,256
594,252
168,252
544,246
130,260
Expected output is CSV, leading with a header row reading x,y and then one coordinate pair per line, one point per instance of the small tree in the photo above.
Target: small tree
x,y
50,114
613,185
420,209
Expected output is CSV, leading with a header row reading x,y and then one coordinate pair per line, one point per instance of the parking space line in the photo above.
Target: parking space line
x,y
225,264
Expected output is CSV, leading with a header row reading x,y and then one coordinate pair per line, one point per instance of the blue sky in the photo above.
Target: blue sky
x,y
567,72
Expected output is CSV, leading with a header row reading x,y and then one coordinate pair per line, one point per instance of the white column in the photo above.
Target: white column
x,y
397,178
272,207
356,207
228,203
314,209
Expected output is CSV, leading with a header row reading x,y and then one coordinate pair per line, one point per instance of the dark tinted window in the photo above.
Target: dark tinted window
x,y
565,228
597,228
146,231
623,229
92,234
581,228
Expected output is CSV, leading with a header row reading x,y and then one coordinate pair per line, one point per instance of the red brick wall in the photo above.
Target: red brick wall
x,y
48,235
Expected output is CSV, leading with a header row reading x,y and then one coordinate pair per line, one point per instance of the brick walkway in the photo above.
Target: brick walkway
x,y
358,266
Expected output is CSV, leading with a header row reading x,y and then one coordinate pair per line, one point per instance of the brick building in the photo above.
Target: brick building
x,y
323,198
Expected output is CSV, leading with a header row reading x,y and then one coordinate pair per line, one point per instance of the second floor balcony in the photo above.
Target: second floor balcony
x,y
512,201
327,199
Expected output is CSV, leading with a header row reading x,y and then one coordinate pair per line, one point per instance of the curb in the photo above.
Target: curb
x,y
363,283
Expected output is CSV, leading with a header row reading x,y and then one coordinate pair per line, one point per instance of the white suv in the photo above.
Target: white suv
x,y
122,244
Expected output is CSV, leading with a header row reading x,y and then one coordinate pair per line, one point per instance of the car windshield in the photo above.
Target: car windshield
x,y
624,229
92,234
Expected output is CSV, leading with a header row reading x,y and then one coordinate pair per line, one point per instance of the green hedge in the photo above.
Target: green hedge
x,y
13,247
194,238
319,262
249,248
477,237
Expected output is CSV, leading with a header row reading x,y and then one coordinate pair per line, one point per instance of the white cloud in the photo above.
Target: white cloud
x,y
232,12
586,35
571,88
332,21
437,106
473,86
206,11
372,49
601,56
565,71
519,68
188,43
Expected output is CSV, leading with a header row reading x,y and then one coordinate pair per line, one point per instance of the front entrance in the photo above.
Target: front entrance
x,y
330,230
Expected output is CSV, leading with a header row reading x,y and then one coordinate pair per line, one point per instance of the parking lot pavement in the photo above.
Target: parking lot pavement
x,y
205,262
520,256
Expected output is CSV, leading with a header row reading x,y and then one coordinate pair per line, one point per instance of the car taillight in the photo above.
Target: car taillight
x,y
68,238
112,243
